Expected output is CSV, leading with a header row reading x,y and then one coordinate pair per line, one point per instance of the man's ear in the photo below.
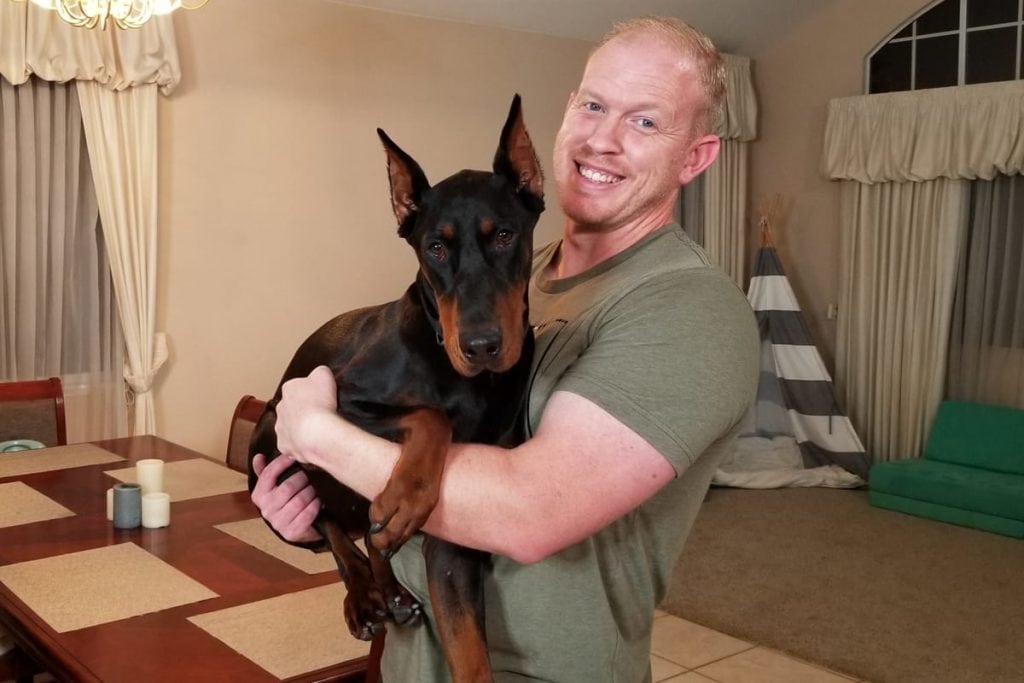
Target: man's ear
x,y
703,152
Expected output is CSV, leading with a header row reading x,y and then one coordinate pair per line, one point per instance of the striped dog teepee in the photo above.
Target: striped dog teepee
x,y
796,434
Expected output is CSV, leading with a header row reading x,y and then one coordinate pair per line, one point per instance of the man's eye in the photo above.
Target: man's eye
x,y
437,250
592,106
645,123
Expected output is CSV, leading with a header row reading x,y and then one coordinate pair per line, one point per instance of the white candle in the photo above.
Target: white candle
x,y
110,504
156,510
150,474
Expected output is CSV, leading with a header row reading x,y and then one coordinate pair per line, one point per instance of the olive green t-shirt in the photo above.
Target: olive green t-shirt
x,y
668,345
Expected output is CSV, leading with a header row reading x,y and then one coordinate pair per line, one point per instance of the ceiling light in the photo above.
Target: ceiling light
x,y
125,13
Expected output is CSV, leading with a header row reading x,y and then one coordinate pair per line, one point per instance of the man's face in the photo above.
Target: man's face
x,y
626,139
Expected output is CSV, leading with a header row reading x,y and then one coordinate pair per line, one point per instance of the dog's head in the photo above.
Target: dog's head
x,y
473,237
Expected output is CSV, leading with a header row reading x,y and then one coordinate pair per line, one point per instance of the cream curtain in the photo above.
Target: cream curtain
x,y
36,41
739,111
906,159
121,128
118,75
720,223
726,194
57,311
975,131
899,254
986,359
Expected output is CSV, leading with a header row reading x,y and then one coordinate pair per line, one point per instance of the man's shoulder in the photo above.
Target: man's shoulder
x,y
673,246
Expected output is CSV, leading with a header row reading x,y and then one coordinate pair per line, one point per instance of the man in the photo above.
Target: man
x,y
646,362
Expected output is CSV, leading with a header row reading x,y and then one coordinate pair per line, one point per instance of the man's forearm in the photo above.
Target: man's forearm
x,y
581,470
364,462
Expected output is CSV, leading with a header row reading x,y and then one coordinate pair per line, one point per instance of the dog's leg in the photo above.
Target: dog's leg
x,y
412,491
365,608
403,608
456,594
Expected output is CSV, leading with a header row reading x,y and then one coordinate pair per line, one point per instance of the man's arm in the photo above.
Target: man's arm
x,y
581,470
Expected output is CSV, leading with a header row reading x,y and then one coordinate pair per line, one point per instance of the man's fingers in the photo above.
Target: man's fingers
x,y
293,485
259,461
323,374
269,473
298,501
301,528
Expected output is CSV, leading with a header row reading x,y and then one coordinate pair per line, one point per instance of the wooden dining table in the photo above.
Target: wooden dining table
x,y
163,645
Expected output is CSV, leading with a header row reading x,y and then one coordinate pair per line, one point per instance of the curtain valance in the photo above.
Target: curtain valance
x,y
967,132
739,111
37,41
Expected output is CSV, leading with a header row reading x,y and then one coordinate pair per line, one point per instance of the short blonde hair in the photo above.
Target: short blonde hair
x,y
693,44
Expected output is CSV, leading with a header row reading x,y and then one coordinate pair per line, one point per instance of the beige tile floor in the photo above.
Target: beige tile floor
x,y
685,652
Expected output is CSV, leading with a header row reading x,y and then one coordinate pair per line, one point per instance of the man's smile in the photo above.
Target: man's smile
x,y
596,176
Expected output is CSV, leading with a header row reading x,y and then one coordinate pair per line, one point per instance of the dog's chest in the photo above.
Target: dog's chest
x,y
377,401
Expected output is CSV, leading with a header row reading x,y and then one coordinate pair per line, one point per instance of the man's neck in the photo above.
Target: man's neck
x,y
584,247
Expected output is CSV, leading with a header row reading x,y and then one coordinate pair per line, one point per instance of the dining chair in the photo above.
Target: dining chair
x,y
17,666
33,409
30,409
247,414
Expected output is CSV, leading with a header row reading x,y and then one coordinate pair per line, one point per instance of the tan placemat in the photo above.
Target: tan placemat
x,y
290,634
97,586
197,478
55,458
22,504
256,533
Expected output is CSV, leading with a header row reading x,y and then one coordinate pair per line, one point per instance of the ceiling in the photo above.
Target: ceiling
x,y
737,26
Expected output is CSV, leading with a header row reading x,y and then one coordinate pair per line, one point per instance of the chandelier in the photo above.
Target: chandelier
x,y
125,13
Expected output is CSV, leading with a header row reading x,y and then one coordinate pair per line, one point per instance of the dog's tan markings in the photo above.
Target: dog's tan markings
x,y
511,307
448,313
412,490
447,231
464,648
486,226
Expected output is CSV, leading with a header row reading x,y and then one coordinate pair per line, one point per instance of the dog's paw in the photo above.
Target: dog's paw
x,y
398,513
404,609
365,613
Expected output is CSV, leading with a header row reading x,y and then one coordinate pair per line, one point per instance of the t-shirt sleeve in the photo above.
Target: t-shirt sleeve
x,y
676,360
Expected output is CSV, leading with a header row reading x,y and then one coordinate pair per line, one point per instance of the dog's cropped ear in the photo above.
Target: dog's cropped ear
x,y
408,183
516,160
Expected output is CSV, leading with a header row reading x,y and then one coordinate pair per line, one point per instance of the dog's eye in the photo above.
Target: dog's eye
x,y
437,250
504,237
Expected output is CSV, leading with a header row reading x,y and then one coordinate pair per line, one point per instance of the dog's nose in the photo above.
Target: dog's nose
x,y
482,345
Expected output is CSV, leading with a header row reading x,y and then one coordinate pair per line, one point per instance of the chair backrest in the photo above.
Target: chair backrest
x,y
247,414
33,409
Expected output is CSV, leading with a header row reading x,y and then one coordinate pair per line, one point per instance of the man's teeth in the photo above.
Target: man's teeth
x,y
597,176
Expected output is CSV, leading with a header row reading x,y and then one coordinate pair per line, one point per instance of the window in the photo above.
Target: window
x,y
950,42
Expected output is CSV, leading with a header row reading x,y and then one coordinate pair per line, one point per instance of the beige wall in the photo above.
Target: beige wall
x,y
795,78
274,210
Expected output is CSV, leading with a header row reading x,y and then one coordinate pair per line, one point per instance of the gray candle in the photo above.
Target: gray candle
x,y
127,506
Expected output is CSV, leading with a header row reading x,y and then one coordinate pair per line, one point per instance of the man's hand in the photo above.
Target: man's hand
x,y
291,507
305,401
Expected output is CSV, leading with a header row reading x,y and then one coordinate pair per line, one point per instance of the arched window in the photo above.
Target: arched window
x,y
950,42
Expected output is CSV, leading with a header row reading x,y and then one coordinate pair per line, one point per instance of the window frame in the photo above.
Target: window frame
x,y
961,32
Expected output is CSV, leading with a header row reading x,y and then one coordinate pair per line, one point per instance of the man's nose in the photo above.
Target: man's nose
x,y
605,137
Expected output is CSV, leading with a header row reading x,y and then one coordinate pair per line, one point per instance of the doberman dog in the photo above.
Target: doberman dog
x,y
447,362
